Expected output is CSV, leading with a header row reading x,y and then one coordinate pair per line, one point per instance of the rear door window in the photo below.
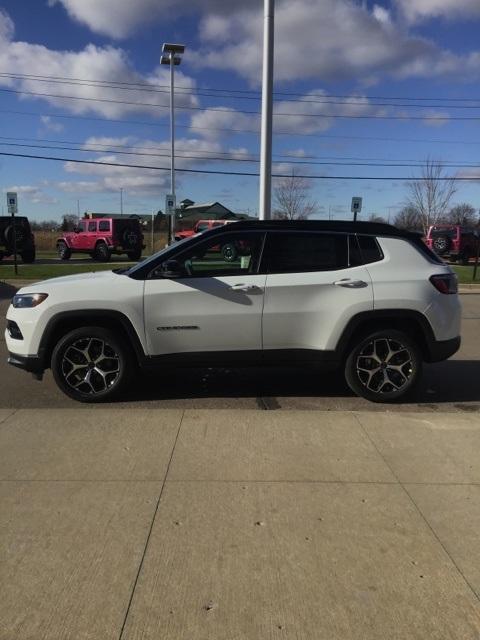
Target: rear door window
x,y
92,226
297,252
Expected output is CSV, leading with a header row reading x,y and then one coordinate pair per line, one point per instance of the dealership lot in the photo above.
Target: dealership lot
x,y
242,504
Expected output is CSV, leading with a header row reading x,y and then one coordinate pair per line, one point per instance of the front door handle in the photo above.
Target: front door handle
x,y
348,283
246,288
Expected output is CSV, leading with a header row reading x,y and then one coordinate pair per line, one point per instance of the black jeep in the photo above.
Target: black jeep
x,y
25,241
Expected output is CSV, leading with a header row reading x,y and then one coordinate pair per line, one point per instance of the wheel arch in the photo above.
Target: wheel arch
x,y
64,240
411,322
66,321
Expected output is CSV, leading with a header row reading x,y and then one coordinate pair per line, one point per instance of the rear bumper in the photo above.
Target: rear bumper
x,y
442,350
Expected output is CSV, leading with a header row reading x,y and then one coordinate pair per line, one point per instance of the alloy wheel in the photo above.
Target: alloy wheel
x,y
384,365
90,366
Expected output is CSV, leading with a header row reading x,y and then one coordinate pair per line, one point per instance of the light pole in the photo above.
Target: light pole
x,y
267,112
121,202
171,55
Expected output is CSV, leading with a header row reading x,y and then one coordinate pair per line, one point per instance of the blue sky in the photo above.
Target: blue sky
x,y
401,68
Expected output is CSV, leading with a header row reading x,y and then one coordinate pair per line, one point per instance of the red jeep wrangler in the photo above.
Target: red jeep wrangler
x,y
102,237
453,241
200,227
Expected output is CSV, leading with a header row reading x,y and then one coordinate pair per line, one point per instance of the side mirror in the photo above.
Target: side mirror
x,y
170,269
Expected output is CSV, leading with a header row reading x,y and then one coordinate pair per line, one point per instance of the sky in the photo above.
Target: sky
x,y
359,87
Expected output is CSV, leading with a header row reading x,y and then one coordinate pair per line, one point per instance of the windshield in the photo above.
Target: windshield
x,y
202,227
154,257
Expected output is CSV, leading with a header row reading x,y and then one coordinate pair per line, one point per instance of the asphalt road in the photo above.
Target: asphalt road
x,y
451,386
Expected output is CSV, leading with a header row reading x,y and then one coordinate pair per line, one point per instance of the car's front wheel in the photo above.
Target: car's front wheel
x,y
385,366
91,364
64,252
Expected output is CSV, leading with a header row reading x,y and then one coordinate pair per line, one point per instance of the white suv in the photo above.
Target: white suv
x,y
366,297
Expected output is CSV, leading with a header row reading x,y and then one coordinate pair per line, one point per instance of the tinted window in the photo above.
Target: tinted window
x,y
370,249
92,226
104,225
82,225
222,255
302,252
202,227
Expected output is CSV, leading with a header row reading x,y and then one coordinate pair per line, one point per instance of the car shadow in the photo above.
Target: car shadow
x,y
453,381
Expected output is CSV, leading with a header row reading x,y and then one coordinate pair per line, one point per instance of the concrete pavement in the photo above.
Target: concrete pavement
x,y
132,524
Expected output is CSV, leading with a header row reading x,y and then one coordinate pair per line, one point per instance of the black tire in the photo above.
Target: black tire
x,y
20,233
442,244
28,256
64,252
464,258
101,379
135,255
101,253
383,383
229,252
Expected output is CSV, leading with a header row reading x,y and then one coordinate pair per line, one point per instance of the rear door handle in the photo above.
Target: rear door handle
x,y
246,288
348,283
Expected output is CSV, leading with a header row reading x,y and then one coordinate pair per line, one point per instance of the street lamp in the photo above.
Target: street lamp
x,y
171,55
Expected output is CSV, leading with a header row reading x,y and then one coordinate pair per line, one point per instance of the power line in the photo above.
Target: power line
x,y
150,86
231,130
234,173
233,159
251,112
230,154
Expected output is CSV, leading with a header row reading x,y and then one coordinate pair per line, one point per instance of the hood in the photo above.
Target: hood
x,y
44,286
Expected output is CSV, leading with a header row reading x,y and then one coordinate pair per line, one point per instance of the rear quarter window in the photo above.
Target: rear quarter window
x,y
104,225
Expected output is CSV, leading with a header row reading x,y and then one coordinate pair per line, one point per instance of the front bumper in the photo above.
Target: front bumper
x,y
32,364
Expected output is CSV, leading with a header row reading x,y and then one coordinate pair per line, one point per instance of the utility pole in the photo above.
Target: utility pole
x,y
153,222
267,112
121,202
171,55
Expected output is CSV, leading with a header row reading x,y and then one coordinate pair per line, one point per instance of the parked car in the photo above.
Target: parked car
x,y
199,227
367,298
102,238
453,241
25,240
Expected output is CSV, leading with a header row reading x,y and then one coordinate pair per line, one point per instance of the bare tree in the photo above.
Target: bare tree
x,y
408,218
291,199
463,214
432,193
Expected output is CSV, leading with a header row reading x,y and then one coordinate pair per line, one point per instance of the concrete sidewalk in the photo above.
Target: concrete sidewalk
x,y
238,525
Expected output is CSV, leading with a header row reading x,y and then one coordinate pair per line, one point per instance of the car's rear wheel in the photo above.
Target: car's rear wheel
x,y
64,253
101,253
91,364
28,256
385,366
134,255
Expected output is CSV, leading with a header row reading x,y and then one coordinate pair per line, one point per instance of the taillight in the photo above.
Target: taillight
x,y
445,283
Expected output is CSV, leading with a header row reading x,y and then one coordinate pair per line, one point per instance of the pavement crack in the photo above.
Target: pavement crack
x,y
142,560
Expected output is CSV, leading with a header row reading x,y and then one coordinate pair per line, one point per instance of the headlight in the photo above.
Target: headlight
x,y
28,300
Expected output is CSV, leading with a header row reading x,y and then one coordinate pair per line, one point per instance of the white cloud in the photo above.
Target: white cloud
x,y
51,125
345,41
121,18
135,181
416,10
214,125
32,193
436,118
95,64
